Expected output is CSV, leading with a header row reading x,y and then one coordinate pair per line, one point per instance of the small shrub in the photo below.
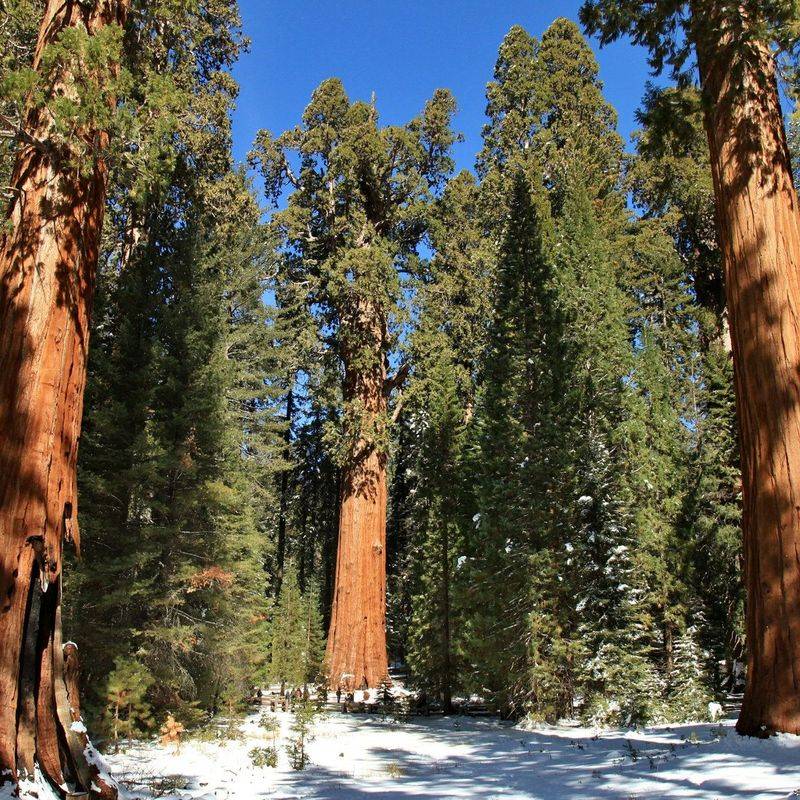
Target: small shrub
x,y
301,734
264,756
271,725
128,712
394,770
171,732
231,731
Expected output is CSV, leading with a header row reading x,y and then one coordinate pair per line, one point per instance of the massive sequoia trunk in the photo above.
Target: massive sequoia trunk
x,y
48,257
356,653
759,232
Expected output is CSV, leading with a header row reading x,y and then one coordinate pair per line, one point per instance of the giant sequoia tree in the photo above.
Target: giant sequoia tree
x,y
759,233
48,256
357,212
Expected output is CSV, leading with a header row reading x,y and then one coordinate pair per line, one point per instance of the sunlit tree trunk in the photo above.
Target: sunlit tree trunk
x,y
48,258
759,232
356,653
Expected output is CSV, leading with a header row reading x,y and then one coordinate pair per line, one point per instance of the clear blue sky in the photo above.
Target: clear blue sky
x,y
402,50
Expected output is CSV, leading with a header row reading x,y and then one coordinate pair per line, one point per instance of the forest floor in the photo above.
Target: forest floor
x,y
355,757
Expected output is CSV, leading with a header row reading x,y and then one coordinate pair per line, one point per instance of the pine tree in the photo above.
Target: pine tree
x,y
314,644
315,511
672,186
199,445
689,695
180,441
522,444
560,410
512,106
445,348
509,468
244,453
297,645
286,664
295,345
127,709
506,460
577,125
302,731
670,180
662,413
613,673
304,385
714,513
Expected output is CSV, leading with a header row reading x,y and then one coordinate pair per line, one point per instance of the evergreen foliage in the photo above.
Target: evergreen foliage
x,y
668,30
445,348
128,712
689,694
571,555
297,645
20,28
357,211
179,440
685,310
510,473
302,732
613,669
714,512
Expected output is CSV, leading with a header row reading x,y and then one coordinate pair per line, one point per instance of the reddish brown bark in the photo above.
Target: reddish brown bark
x,y
48,258
356,652
759,232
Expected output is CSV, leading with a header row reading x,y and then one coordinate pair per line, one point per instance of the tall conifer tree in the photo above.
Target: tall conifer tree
x,y
445,348
179,439
683,303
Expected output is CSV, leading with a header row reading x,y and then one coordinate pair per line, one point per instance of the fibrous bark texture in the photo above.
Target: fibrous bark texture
x,y
356,653
759,232
48,258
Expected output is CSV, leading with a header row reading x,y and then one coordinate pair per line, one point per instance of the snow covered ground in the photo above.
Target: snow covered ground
x,y
356,757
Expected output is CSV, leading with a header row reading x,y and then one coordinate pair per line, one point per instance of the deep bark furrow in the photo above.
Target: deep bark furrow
x,y
48,745
28,679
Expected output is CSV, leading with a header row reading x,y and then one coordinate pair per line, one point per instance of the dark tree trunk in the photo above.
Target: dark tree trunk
x,y
759,233
284,488
48,258
447,665
328,524
669,648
